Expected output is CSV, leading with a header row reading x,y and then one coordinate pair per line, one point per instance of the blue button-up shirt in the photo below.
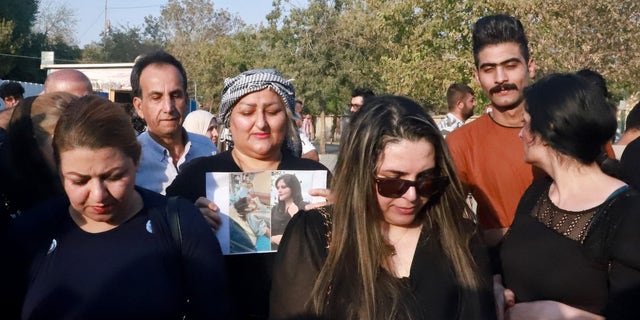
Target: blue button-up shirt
x,y
157,171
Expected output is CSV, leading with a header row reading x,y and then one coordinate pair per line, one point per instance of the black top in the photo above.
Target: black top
x,y
134,271
601,276
434,290
280,218
250,274
630,164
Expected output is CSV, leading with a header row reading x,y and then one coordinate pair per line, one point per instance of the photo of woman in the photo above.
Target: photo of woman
x,y
289,203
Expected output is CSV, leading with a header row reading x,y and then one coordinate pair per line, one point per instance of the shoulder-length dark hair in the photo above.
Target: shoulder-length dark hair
x,y
359,287
571,115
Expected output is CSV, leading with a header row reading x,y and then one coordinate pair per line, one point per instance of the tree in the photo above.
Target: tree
x,y
16,19
56,21
119,44
200,37
565,35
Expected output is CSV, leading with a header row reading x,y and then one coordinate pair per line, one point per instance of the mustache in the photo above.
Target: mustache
x,y
500,87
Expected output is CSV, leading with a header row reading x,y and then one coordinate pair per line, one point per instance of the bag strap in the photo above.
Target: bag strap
x,y
172,213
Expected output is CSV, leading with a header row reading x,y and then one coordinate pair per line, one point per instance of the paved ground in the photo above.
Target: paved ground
x,y
329,158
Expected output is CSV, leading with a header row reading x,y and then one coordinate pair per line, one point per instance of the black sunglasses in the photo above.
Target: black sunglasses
x,y
426,187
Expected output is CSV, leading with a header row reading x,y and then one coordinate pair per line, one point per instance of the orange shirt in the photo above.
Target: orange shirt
x,y
489,160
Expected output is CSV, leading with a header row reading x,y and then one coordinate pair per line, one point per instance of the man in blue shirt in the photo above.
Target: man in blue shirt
x,y
159,84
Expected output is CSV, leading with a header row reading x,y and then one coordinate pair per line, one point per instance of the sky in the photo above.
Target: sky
x,y
91,13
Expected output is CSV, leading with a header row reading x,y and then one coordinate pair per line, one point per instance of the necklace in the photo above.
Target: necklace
x,y
393,244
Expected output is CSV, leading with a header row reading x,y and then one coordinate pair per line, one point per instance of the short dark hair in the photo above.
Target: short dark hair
x,y
156,57
362,92
11,89
497,29
571,115
633,118
456,92
596,78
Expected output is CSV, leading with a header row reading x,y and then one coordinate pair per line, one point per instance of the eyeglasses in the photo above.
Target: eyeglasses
x,y
426,187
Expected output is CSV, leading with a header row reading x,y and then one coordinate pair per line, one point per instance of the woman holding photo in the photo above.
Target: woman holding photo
x,y
257,106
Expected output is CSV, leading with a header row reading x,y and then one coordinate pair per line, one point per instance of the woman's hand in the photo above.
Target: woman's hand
x,y
276,239
326,193
548,310
505,298
210,212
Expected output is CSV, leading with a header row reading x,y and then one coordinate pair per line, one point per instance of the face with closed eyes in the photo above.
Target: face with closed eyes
x,y
409,160
258,124
163,100
99,182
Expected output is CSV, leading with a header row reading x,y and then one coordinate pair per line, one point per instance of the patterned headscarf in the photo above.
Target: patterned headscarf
x,y
257,80
252,81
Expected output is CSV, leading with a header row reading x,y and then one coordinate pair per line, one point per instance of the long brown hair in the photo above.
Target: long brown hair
x,y
352,284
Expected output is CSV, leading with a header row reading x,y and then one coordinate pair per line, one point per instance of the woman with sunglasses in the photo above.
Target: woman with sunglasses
x,y
399,242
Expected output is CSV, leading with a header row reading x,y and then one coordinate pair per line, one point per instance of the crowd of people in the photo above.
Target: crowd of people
x,y
102,221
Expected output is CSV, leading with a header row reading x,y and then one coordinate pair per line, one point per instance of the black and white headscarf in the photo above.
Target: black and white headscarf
x,y
255,80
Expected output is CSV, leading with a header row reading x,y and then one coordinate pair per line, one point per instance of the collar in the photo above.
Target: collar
x,y
158,151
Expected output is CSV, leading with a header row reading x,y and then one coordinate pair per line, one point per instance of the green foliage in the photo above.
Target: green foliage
x,y
16,19
410,47
119,44
22,13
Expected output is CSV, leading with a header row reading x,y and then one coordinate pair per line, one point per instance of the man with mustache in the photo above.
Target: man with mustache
x,y
487,152
159,84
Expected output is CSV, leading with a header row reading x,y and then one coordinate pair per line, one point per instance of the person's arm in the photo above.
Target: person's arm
x,y
298,262
548,310
486,289
203,264
308,149
624,263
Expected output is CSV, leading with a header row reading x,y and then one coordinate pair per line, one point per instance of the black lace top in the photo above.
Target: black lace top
x,y
589,260
571,224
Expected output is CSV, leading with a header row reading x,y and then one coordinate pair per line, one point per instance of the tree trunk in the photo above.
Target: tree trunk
x,y
323,138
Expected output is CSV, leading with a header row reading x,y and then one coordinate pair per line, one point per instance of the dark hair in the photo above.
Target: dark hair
x,y
362,92
292,182
596,79
94,122
497,29
138,123
571,115
242,207
456,92
156,57
11,89
633,118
